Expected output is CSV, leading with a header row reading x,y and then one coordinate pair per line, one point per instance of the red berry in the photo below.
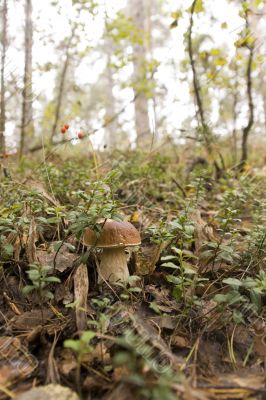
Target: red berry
x,y
63,130
66,126
81,135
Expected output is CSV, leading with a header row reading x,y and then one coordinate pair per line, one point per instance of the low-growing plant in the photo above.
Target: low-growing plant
x,y
184,276
40,278
243,296
81,347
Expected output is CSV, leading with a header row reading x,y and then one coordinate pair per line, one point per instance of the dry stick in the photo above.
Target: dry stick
x,y
7,392
52,375
180,187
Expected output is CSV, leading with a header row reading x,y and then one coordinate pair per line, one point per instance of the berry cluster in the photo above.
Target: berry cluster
x,y
65,128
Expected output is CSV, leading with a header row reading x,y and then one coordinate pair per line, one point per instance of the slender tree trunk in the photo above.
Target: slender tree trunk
x,y
3,91
62,86
235,102
247,128
111,123
264,110
27,128
142,125
196,86
205,131
234,132
262,83
151,8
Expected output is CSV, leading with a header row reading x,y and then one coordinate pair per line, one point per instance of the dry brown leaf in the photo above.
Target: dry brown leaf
x,y
30,247
180,341
7,374
48,392
149,334
99,353
14,239
165,321
242,378
191,393
148,256
40,188
81,289
121,392
63,258
203,231
31,319
67,362
260,344
15,360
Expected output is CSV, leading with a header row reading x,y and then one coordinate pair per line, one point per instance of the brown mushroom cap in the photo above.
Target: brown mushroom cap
x,y
113,234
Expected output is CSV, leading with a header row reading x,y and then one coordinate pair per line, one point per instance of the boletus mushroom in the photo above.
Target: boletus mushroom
x,y
114,237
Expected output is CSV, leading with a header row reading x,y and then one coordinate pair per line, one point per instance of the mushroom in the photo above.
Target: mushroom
x,y
113,239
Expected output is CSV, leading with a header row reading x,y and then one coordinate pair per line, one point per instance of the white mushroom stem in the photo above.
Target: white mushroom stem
x,y
113,266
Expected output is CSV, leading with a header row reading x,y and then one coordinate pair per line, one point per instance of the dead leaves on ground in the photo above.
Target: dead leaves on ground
x,y
198,349
16,362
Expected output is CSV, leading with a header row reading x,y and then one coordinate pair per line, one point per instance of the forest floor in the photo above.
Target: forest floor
x,y
190,323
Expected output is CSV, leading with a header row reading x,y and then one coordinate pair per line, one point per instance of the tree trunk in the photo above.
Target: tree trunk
x,y
205,131
247,128
27,95
61,86
151,9
111,123
235,103
264,110
3,61
142,125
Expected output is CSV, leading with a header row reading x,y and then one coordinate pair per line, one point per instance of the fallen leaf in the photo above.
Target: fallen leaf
x,y
48,392
81,289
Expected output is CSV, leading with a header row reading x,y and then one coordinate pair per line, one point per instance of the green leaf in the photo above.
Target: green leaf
x,y
199,6
220,298
173,279
135,290
87,336
154,307
168,258
49,295
52,279
170,265
256,299
28,289
72,344
8,249
238,317
233,282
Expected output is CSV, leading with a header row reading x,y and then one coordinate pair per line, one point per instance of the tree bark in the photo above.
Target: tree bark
x,y
247,128
27,95
112,127
205,131
235,103
196,86
142,124
3,91
62,86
